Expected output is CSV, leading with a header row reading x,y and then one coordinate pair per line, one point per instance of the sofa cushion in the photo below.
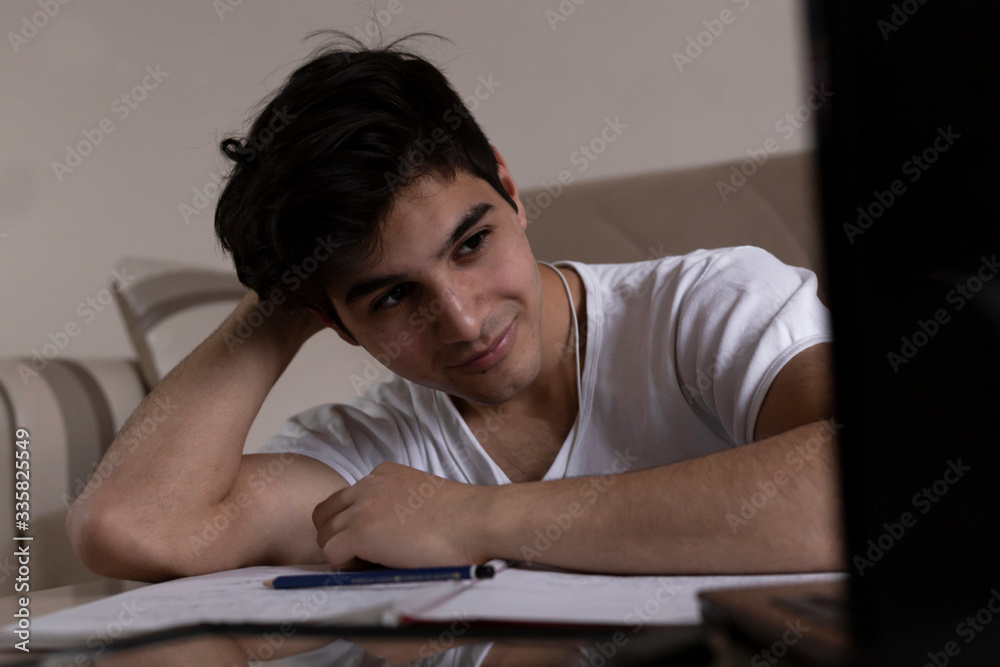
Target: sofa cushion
x,y
71,410
645,216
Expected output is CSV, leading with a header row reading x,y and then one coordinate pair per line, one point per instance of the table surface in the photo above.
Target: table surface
x,y
503,645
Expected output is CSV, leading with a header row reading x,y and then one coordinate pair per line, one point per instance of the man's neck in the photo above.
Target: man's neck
x,y
536,422
552,395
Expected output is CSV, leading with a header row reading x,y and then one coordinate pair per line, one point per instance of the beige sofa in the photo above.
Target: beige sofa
x,y
73,408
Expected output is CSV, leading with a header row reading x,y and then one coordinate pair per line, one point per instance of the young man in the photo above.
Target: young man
x,y
659,417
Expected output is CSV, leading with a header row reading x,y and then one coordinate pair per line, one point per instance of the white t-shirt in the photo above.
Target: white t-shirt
x,y
680,353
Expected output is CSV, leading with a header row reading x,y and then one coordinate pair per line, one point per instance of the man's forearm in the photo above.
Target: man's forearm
x,y
770,506
181,448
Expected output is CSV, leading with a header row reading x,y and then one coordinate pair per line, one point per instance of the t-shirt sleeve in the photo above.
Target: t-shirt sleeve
x,y
352,438
744,316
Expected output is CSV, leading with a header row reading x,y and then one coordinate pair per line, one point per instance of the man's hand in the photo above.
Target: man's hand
x,y
401,517
673,518
668,519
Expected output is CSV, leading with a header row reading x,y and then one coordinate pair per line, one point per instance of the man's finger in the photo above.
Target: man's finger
x,y
339,553
338,523
332,506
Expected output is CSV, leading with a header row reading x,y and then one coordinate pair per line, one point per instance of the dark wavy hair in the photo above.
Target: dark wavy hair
x,y
318,171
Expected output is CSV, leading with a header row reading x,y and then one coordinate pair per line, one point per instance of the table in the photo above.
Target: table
x,y
485,645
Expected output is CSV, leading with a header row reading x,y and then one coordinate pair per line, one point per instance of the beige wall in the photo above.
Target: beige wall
x,y
558,83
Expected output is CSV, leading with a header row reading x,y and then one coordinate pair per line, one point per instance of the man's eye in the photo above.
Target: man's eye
x,y
399,291
397,294
477,241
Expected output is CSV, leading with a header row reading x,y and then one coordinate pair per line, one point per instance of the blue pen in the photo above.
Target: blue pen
x,y
362,577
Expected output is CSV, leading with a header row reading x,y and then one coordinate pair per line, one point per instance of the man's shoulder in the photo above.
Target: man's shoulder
x,y
675,272
661,261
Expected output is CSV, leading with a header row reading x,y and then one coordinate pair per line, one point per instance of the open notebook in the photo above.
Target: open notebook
x,y
518,595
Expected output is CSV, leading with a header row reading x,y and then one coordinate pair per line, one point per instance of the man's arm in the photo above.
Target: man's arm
x,y
769,506
182,499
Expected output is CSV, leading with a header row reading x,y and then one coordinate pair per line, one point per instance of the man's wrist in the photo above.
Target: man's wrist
x,y
260,321
498,522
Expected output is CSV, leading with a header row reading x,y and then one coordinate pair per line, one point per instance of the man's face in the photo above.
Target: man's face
x,y
458,272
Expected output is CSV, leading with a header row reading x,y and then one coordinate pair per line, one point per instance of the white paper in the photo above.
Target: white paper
x,y
564,597
230,597
514,595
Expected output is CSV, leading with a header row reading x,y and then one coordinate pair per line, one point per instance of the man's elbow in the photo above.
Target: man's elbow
x,y
106,538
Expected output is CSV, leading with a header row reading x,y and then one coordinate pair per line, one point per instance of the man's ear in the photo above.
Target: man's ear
x,y
328,322
507,181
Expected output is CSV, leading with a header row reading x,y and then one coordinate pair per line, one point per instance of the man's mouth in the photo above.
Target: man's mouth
x,y
492,354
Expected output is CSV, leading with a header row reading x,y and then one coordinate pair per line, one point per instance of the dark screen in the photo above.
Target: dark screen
x,y
908,151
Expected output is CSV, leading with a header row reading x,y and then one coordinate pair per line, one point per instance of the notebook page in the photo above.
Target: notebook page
x,y
540,596
229,597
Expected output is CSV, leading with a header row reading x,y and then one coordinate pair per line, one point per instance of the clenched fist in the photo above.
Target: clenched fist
x,y
402,517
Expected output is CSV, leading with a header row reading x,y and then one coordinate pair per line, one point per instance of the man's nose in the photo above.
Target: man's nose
x,y
463,312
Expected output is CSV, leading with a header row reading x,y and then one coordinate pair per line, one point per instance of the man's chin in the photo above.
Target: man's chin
x,y
491,388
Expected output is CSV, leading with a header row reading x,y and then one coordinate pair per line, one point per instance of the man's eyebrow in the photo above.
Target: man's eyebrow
x,y
364,287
